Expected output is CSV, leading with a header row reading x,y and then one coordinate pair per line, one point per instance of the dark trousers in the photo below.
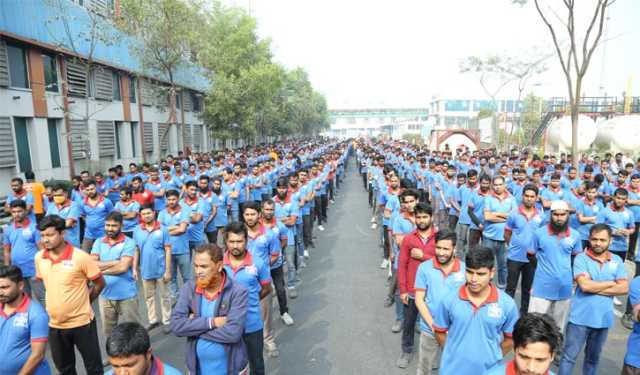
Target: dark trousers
x,y
277,276
324,205
515,270
85,339
409,326
331,188
629,308
633,240
254,342
371,197
318,209
453,221
386,246
474,238
307,224
364,180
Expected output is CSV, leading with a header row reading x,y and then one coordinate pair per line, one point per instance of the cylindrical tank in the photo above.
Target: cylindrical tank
x,y
621,133
559,132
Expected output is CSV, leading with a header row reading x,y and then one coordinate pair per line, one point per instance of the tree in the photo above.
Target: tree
x,y
529,118
165,30
82,31
574,55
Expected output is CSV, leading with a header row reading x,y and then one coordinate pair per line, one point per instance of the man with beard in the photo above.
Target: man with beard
x,y
553,246
199,211
20,240
72,323
157,187
416,247
23,327
434,279
402,224
95,209
536,342
129,209
130,353
175,220
474,323
307,220
475,209
497,207
19,192
252,273
264,244
269,221
211,313
298,195
600,276
518,235
114,253
287,212
139,193
466,192
206,195
388,199
154,255
234,189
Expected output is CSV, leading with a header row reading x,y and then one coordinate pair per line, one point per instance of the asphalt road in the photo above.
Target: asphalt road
x,y
341,326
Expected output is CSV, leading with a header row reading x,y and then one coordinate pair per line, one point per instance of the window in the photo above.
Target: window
x,y
178,100
116,86
50,73
22,141
54,147
17,66
134,131
132,90
195,100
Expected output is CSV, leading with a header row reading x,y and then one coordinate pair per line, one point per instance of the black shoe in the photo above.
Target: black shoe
x,y
388,302
627,321
151,326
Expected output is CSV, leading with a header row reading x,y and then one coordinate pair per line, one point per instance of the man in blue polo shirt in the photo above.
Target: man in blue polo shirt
x,y
632,358
434,280
621,221
253,274
465,193
474,323
18,192
114,253
95,209
497,208
536,342
67,209
20,240
129,208
24,327
154,256
287,212
175,219
475,209
199,210
553,246
600,275
518,235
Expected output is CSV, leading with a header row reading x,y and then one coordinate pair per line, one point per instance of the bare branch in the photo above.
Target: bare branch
x,y
556,44
587,59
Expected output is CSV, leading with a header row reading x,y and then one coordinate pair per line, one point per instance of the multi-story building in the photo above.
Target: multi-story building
x,y
55,119
463,113
374,122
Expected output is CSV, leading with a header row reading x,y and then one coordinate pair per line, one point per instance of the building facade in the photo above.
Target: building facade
x,y
375,122
60,115
448,113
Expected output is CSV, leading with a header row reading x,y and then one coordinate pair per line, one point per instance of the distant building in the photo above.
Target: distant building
x,y
375,122
128,107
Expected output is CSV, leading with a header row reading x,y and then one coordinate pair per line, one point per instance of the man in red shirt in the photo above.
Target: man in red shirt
x,y
417,247
140,194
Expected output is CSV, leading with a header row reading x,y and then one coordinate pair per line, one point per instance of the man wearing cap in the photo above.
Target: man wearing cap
x,y
553,246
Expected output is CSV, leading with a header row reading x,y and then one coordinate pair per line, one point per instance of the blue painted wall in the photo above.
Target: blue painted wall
x,y
38,20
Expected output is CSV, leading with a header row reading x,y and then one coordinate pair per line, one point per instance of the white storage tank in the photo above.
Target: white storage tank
x,y
559,132
621,133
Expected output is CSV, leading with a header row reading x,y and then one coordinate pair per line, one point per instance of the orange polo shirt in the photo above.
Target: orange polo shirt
x,y
65,280
36,189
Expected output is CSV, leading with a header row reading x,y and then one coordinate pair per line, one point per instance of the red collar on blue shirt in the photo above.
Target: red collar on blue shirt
x,y
438,266
67,254
510,369
154,183
25,223
492,298
156,226
121,237
215,295
614,209
261,230
505,195
524,213
287,199
65,204
173,212
566,233
247,261
23,307
595,201
188,200
20,195
100,200
593,256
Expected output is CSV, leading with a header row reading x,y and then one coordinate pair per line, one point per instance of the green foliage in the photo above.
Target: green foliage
x,y
485,113
415,139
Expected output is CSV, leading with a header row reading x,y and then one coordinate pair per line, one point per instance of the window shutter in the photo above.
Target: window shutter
x,y
103,79
76,79
79,139
148,137
106,138
163,136
188,103
147,92
187,136
4,65
197,137
7,146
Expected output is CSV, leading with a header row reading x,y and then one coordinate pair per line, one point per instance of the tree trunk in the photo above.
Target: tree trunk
x,y
575,112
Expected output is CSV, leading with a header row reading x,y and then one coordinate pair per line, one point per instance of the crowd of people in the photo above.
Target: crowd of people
x,y
205,238
461,230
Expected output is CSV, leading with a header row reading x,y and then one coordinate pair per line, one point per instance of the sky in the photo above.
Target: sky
x,y
402,53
